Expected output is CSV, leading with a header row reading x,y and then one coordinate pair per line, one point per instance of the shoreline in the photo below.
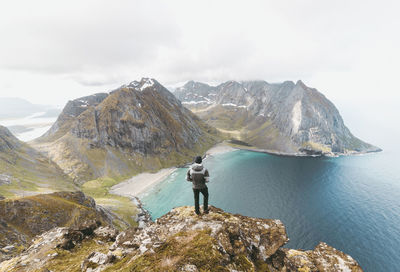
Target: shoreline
x,y
143,182
302,155
220,148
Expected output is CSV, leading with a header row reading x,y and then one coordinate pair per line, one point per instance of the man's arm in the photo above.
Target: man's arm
x,y
206,176
188,176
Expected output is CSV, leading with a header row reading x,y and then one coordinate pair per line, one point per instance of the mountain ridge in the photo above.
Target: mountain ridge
x,y
285,118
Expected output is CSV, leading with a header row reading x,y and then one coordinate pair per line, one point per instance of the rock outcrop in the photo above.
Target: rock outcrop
x,y
286,118
139,126
24,218
322,258
179,241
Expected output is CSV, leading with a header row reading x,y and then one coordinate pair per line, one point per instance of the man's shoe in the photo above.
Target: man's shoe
x,y
198,213
206,211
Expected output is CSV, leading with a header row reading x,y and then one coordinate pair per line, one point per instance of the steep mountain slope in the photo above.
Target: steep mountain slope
x,y
23,170
181,241
8,142
139,126
286,118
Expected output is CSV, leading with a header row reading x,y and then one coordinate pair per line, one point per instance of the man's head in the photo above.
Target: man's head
x,y
198,159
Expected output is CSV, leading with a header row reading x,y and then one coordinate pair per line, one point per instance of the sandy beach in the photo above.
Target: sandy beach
x,y
141,183
220,148
145,181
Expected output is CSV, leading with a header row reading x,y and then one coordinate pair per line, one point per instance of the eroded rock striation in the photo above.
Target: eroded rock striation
x,y
286,118
139,126
179,241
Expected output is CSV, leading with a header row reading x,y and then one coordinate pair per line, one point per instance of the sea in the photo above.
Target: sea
x,y
350,202
29,127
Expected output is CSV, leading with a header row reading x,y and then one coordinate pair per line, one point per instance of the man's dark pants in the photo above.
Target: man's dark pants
x,y
204,192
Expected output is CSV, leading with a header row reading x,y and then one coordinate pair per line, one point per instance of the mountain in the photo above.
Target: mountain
x,y
24,171
179,241
285,118
11,107
137,127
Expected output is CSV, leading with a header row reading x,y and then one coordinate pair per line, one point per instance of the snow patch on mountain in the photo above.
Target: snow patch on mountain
x,y
296,116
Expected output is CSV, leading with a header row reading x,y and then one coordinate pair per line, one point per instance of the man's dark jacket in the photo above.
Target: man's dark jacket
x,y
198,175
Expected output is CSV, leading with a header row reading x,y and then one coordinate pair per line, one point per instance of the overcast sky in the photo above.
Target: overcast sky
x,y
53,51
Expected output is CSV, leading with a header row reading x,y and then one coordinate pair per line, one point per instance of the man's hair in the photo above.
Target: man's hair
x,y
198,159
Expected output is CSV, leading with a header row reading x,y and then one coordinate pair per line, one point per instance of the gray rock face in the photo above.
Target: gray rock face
x,y
322,258
75,107
7,140
286,117
196,93
96,262
72,110
142,116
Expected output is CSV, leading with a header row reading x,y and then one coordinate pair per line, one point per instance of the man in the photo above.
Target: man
x,y
199,176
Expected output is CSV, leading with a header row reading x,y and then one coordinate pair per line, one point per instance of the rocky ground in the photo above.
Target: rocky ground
x,y
178,241
23,219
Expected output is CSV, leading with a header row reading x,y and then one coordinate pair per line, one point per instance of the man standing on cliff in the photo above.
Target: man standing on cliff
x,y
199,176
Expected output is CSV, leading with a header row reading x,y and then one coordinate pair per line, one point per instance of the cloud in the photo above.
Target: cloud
x,y
95,45
83,36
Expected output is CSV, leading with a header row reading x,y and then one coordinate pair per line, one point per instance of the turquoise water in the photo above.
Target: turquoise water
x,y
352,203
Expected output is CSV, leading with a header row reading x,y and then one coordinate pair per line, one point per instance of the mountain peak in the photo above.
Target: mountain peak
x,y
301,84
141,85
190,83
289,83
194,84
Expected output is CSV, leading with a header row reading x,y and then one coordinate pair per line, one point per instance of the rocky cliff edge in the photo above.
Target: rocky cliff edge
x,y
179,241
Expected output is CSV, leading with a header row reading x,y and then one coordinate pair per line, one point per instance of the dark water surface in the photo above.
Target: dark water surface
x,y
351,203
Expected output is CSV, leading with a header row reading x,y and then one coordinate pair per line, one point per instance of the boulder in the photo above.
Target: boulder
x,y
106,233
323,258
96,261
